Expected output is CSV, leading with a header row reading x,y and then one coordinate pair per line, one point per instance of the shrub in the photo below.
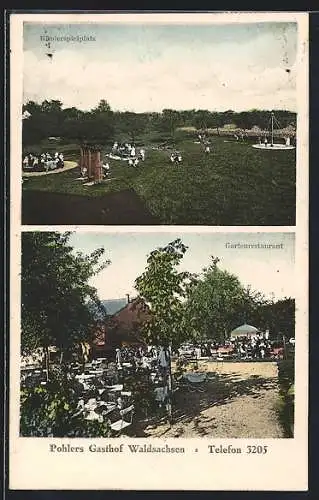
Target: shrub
x,y
286,376
51,410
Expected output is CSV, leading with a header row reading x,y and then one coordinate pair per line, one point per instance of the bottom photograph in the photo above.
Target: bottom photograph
x,y
160,334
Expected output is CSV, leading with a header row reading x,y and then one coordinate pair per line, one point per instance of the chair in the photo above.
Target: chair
x,y
124,421
195,381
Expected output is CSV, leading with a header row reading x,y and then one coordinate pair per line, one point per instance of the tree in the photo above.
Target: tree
x,y
56,296
276,316
32,107
217,304
170,120
132,124
102,107
217,120
164,289
53,106
203,119
95,129
72,113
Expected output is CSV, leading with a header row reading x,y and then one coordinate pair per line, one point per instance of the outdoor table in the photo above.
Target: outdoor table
x,y
115,388
109,407
128,365
126,393
94,416
195,378
96,373
91,402
99,372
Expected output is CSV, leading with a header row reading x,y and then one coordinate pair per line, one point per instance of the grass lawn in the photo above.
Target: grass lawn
x,y
67,183
234,185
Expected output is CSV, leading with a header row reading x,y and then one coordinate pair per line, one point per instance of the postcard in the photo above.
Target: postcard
x,y
159,251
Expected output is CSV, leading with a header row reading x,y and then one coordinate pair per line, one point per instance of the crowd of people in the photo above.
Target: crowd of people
x,y
246,348
43,162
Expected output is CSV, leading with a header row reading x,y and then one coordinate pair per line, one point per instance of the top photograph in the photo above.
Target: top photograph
x,y
158,123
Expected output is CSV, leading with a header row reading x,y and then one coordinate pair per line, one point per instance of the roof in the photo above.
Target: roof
x,y
244,330
112,306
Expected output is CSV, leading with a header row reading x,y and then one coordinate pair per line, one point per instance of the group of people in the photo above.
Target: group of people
x,y
205,143
241,136
43,161
105,167
176,157
137,356
266,144
154,362
255,347
130,152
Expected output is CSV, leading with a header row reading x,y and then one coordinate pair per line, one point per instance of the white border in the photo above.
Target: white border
x,y
285,466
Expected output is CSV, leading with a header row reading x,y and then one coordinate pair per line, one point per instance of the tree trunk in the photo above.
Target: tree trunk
x,y
82,347
46,357
170,386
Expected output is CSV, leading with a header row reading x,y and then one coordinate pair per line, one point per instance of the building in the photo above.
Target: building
x,y
121,328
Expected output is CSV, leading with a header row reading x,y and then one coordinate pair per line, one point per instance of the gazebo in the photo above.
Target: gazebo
x,y
244,331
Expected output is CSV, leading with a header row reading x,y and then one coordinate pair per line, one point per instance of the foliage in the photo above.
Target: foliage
x,y
164,289
286,379
51,411
217,303
55,291
101,124
142,393
170,119
278,317
102,107
131,124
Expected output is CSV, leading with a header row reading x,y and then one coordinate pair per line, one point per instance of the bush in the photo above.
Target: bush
x,y
142,393
286,406
51,411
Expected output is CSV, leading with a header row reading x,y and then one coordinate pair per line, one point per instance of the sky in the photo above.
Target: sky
x,y
147,67
270,271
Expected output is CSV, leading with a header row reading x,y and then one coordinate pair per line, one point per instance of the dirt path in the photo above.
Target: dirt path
x,y
238,401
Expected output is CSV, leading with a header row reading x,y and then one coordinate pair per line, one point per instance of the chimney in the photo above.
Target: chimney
x,y
128,298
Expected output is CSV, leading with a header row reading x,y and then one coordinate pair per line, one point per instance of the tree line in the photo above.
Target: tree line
x,y
102,125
